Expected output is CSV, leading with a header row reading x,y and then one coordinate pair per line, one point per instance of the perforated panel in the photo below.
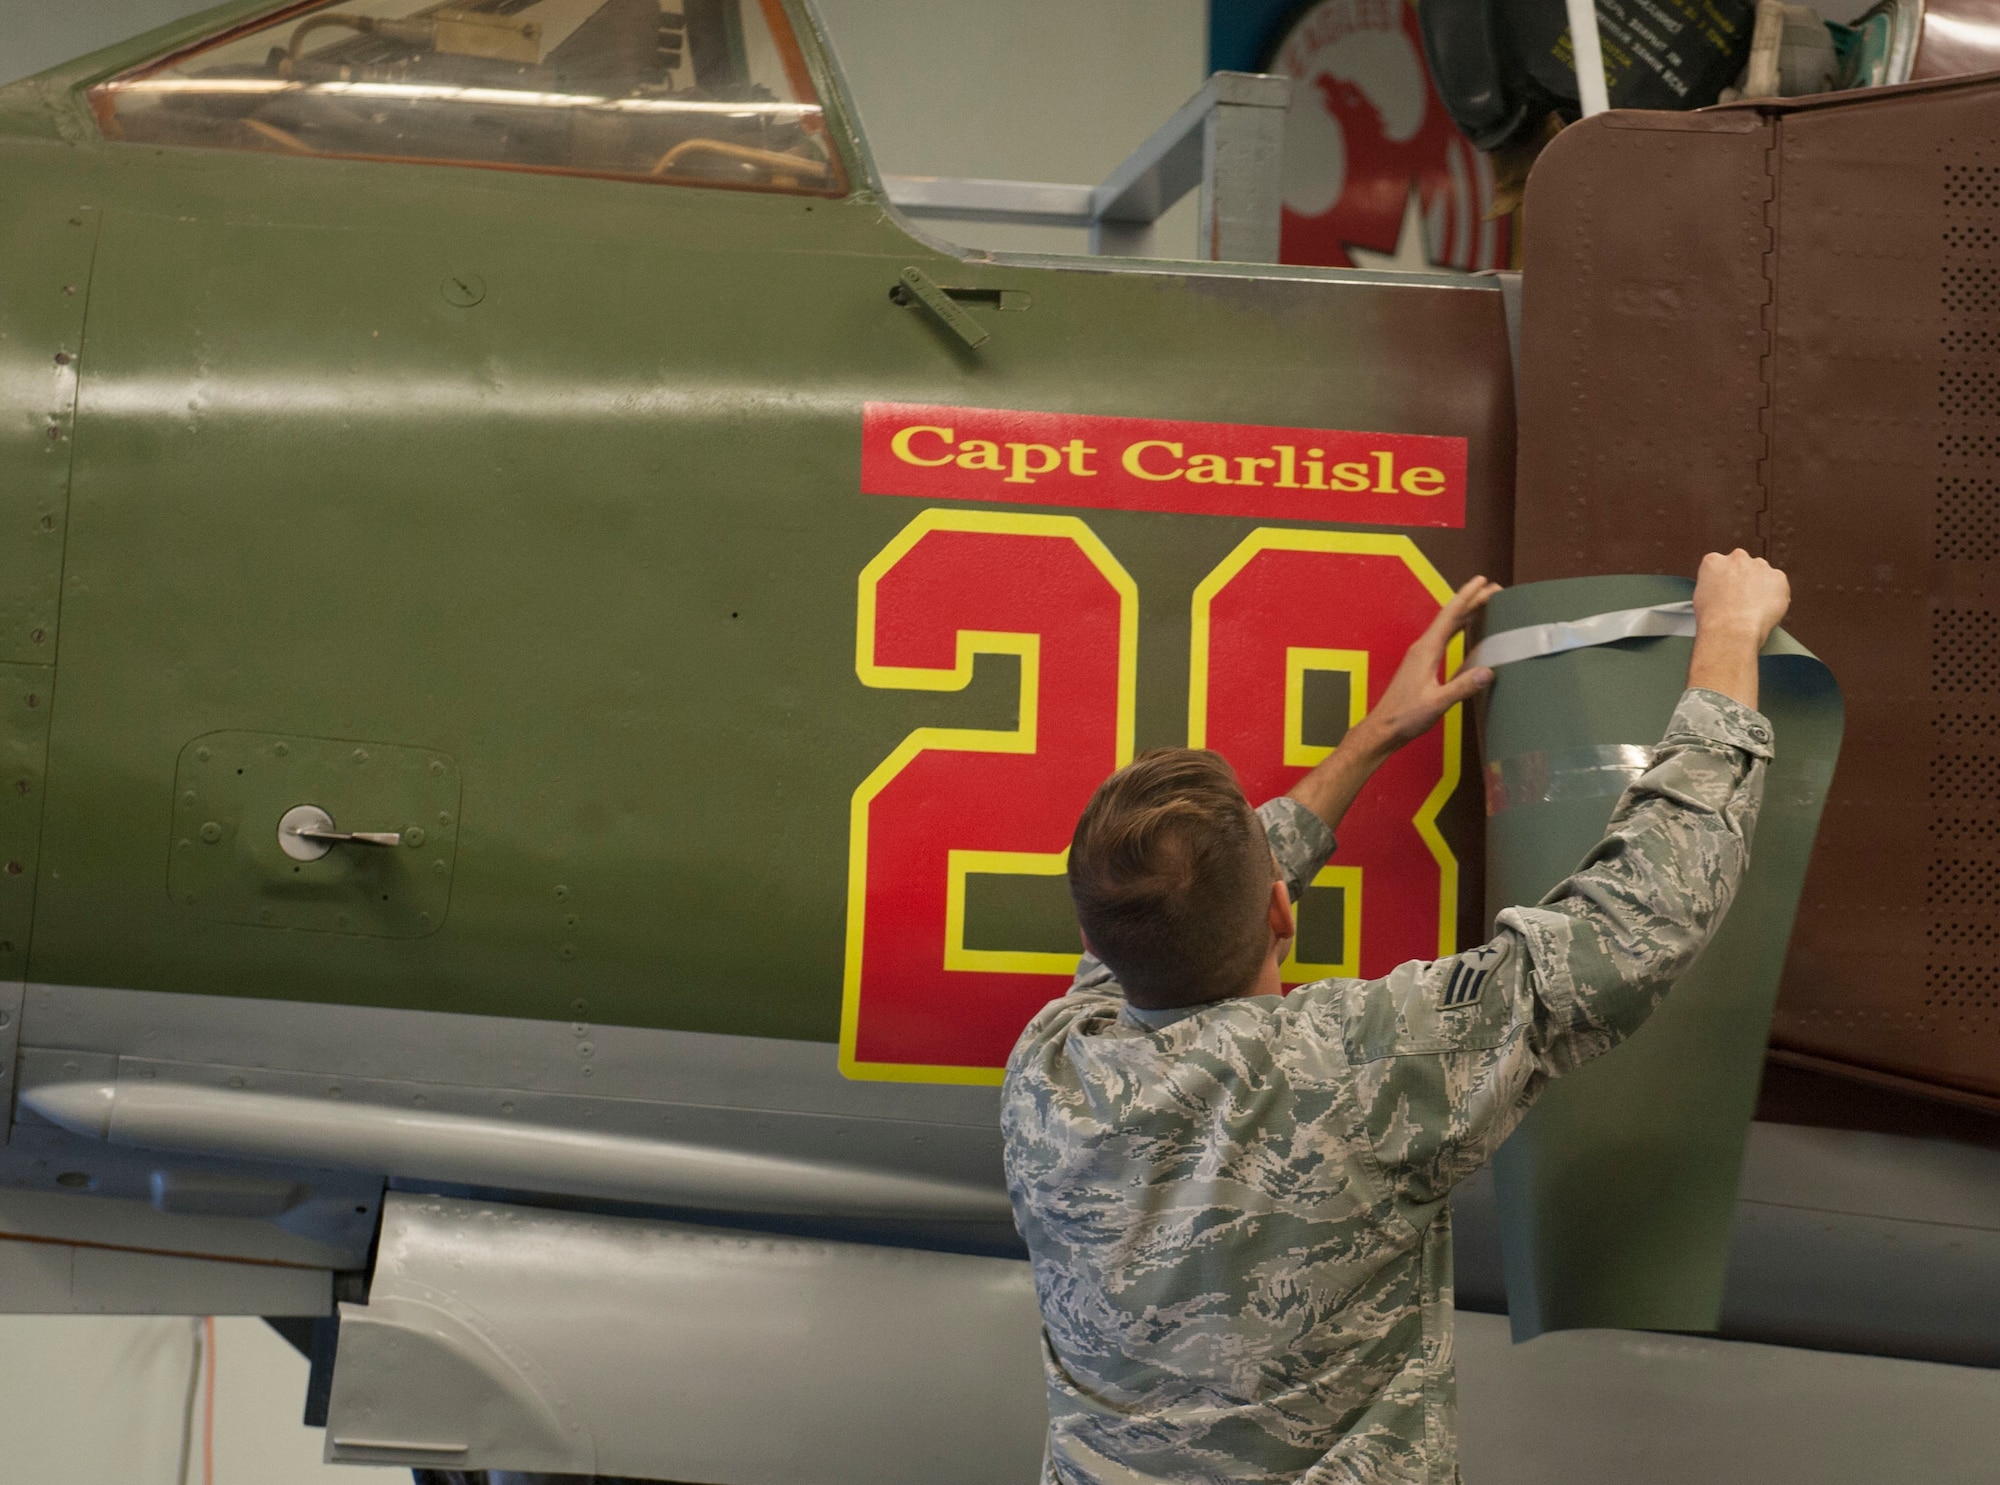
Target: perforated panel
x,y
1961,991
1968,518
1874,479
1965,652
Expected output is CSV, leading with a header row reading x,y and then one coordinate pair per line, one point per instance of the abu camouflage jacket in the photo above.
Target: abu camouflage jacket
x,y
1236,1211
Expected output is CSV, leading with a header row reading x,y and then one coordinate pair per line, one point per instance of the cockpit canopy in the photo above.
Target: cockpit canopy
x,y
715,93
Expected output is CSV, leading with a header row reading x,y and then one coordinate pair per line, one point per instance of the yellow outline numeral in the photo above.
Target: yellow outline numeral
x,y
1364,543
1023,738
1295,971
1298,660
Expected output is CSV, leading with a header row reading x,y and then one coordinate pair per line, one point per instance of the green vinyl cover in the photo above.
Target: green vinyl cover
x,y
1618,1191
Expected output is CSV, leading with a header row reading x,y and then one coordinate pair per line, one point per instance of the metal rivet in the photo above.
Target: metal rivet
x,y
579,1006
37,635
33,699
283,750
562,894
438,867
570,921
185,844
62,358
437,768
188,799
201,755
211,831
580,1028
507,1108
360,755
569,951
587,1071
585,1049
463,289
414,836
444,817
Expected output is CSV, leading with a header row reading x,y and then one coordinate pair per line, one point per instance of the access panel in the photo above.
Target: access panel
x,y
1788,338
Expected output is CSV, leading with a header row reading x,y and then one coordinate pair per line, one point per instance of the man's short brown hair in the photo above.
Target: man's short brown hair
x,y
1170,871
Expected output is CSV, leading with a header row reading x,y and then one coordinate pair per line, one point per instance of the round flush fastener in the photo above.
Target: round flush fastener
x,y
303,817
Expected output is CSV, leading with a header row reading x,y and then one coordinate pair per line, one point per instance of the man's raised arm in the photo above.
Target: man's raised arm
x,y
1448,1055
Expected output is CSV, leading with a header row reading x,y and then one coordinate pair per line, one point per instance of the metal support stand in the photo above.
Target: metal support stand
x,y
1228,140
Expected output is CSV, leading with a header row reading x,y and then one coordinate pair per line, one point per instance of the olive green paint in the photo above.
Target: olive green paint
x,y
594,537
226,861
25,708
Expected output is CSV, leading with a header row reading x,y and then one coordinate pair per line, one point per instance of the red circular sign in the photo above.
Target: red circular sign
x,y
1376,173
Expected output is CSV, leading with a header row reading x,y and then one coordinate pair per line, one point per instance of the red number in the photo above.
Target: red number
x,y
1288,602
918,1005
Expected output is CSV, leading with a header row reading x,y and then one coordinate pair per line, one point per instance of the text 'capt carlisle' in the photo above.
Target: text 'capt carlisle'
x,y
1220,469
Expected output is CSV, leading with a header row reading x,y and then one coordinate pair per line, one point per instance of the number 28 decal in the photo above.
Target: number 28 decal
x,y
919,1005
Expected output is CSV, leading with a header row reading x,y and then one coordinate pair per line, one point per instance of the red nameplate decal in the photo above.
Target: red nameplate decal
x,y
1212,469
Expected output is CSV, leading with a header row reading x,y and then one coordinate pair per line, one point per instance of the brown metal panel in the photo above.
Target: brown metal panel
x,y
1869,341
1641,340
1857,360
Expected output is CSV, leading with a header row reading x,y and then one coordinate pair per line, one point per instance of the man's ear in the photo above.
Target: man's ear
x,y
1284,924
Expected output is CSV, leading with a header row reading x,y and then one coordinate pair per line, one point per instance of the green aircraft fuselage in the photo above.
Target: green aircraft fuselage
x,y
522,514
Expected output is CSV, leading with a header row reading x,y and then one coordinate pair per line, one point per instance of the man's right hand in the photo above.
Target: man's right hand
x,y
1738,600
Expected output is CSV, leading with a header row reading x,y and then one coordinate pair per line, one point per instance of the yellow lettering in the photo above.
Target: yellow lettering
x,y
900,444
1246,469
1020,473
1349,477
1288,466
1135,466
980,454
1385,479
1076,450
1422,481
1208,469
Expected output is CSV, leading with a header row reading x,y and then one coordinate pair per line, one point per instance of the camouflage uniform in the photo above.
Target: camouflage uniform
x,y
1236,1211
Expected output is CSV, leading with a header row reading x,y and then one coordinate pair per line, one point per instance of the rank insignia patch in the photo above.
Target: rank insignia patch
x,y
1468,978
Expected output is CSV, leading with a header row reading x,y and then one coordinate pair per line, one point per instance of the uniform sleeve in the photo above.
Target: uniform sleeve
x,y
1300,840
1448,1055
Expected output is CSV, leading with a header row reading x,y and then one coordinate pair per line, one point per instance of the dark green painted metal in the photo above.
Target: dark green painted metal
x,y
1618,1192
25,709
48,248
226,862
596,537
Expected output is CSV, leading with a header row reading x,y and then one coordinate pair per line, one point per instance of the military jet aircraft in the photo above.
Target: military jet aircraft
x,y
554,643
